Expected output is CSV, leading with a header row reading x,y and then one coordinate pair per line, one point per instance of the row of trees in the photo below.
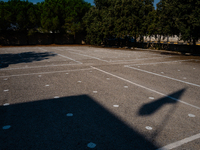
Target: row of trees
x,y
59,16
138,18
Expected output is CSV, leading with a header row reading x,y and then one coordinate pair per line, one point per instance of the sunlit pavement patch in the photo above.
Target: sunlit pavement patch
x,y
90,71
67,73
151,97
91,145
56,97
108,78
184,78
6,127
194,68
178,70
162,72
94,91
115,105
125,86
191,115
148,128
6,104
6,90
69,115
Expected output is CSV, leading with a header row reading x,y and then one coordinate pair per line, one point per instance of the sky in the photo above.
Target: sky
x,y
90,1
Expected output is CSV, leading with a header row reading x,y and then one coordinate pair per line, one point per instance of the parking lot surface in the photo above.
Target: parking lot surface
x,y
83,97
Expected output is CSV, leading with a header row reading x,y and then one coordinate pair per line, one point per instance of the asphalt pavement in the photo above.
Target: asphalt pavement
x,y
84,97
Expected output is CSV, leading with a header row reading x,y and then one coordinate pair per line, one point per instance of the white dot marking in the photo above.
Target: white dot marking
x,y
115,105
69,115
94,91
162,72
91,145
151,97
6,104
148,128
39,75
47,85
5,79
79,81
125,86
191,115
6,127
6,90
56,97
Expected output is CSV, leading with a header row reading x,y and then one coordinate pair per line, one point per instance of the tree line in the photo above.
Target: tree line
x,y
106,20
138,18
56,16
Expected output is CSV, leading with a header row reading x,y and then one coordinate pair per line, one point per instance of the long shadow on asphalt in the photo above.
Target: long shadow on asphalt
x,y
27,57
152,107
44,125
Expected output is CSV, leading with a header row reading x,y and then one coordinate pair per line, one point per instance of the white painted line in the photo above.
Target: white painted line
x,y
148,128
6,127
191,115
91,145
162,72
56,97
44,73
94,91
47,85
6,90
5,79
6,104
39,75
90,56
39,67
70,58
164,76
115,105
125,86
181,142
79,81
146,88
69,115
151,97
159,62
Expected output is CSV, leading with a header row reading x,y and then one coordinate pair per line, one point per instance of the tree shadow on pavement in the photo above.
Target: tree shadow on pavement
x,y
26,57
44,125
152,107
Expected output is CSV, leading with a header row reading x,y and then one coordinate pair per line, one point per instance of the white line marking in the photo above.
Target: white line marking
x,y
161,62
181,142
69,115
70,58
89,56
94,91
164,76
64,56
191,115
115,105
56,97
6,127
6,90
125,86
148,128
6,104
38,67
151,97
17,75
146,88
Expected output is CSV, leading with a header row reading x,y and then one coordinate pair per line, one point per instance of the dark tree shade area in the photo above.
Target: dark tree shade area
x,y
108,19
56,16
